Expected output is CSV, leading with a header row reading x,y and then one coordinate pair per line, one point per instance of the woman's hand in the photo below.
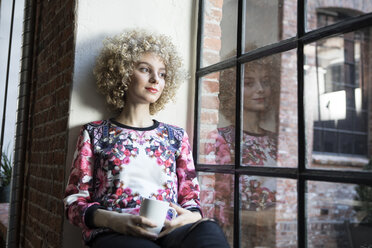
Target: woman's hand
x,y
184,217
127,224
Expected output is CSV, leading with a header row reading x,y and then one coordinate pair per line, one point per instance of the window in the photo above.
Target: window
x,y
11,21
272,172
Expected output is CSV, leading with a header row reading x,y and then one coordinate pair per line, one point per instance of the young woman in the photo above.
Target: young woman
x,y
121,160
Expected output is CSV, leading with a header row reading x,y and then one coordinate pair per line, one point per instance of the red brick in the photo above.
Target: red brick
x,y
209,117
210,86
210,102
216,3
212,43
212,30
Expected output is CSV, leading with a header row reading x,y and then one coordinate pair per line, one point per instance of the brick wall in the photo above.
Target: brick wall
x,y
42,206
210,83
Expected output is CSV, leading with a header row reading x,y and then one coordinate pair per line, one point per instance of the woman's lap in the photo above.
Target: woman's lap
x,y
116,240
203,234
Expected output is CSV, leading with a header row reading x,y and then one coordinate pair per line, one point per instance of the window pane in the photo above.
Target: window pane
x,y
320,13
269,21
270,111
336,100
338,215
217,200
217,115
268,212
219,31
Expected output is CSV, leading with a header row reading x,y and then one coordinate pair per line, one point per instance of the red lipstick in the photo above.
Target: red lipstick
x,y
152,90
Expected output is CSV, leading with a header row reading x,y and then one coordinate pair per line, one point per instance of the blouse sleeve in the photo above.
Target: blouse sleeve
x,y
218,151
77,197
188,186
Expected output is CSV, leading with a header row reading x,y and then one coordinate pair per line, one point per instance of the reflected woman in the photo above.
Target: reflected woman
x,y
260,99
259,148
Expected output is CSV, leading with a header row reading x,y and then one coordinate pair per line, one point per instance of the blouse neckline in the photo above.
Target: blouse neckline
x,y
153,126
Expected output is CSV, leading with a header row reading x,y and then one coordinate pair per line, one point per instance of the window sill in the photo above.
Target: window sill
x,y
339,161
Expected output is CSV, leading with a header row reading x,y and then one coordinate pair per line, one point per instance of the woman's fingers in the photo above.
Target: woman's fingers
x,y
140,231
144,222
178,209
138,227
167,223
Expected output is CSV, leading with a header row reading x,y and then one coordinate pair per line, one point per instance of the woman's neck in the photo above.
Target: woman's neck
x,y
135,116
251,121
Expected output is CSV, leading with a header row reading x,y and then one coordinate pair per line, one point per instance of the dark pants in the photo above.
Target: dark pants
x,y
202,235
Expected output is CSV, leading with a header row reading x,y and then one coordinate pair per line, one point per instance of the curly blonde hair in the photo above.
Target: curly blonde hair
x,y
115,65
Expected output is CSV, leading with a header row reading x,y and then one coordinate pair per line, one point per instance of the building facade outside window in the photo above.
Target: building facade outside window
x,y
282,124
341,114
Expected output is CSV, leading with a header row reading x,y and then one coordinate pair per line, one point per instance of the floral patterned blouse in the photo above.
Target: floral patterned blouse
x,y
115,165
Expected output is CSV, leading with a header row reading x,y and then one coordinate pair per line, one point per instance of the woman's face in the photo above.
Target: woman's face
x,y
257,88
148,80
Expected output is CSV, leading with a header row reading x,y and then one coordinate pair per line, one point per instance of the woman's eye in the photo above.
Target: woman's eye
x,y
248,83
163,75
266,82
144,69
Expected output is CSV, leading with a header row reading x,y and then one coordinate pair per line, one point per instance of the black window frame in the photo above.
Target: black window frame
x,y
301,173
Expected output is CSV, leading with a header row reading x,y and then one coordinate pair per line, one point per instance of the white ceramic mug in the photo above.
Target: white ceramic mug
x,y
156,211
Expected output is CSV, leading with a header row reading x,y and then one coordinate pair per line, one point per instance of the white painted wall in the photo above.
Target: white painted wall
x,y
97,19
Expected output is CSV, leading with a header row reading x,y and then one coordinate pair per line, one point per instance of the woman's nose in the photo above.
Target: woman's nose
x,y
259,86
154,78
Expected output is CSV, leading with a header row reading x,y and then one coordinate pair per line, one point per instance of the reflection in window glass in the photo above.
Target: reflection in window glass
x,y
217,200
268,212
269,21
267,82
338,215
336,99
270,111
260,108
219,31
320,13
217,110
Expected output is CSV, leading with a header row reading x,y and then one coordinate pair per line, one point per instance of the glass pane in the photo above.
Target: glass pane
x,y
269,21
270,111
320,13
336,100
217,117
217,200
338,215
219,31
268,212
